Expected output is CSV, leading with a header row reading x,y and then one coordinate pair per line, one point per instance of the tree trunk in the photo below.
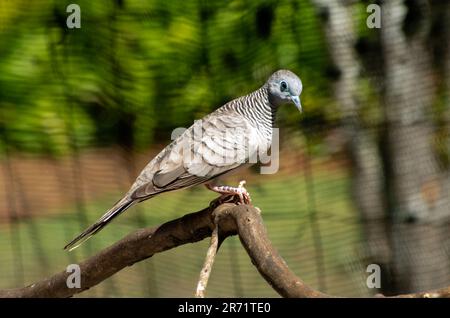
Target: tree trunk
x,y
418,192
361,145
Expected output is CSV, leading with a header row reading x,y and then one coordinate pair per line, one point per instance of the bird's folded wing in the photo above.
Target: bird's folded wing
x,y
211,147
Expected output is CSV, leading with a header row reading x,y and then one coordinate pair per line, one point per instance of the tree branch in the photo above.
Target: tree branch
x,y
233,219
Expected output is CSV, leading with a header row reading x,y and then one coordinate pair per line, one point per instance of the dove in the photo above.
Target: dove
x,y
218,144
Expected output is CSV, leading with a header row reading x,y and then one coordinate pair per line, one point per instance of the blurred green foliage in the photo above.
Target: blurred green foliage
x,y
137,69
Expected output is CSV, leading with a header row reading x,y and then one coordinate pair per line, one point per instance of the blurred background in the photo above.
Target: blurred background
x,y
364,171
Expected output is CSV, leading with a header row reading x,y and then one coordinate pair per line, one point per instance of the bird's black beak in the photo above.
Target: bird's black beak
x,y
296,101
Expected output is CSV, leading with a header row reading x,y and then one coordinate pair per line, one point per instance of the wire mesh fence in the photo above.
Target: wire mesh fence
x,y
363,175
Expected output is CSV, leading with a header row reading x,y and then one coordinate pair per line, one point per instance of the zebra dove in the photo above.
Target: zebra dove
x,y
218,144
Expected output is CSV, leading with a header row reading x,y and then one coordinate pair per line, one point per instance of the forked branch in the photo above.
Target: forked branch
x,y
243,220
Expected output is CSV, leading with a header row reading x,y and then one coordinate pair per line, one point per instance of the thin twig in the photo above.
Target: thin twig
x,y
209,261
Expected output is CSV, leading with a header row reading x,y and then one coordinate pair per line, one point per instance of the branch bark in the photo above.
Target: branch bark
x,y
234,219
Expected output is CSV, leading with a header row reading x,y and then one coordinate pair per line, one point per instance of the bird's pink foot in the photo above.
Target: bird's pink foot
x,y
228,194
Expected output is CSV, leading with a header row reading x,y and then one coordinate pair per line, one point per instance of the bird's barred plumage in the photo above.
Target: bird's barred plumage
x,y
219,143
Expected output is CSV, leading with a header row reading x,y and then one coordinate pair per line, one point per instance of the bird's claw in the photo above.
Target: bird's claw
x,y
238,194
244,195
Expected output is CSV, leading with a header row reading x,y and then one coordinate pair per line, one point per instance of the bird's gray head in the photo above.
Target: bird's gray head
x,y
284,87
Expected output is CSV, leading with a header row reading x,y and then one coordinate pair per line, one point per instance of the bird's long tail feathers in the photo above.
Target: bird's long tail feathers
x,y
117,209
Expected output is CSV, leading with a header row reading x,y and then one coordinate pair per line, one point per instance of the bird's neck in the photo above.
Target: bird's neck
x,y
257,108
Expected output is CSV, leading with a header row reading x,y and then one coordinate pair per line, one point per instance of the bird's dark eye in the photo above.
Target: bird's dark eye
x,y
283,86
